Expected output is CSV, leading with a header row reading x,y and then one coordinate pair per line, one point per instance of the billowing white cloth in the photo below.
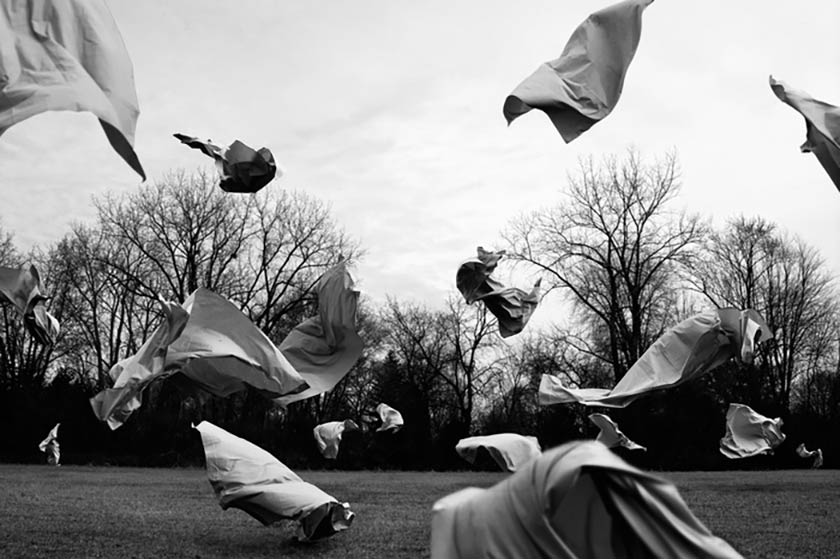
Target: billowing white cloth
x,y
22,288
328,436
610,434
67,56
689,350
749,433
392,420
509,450
246,477
324,348
511,306
583,86
51,447
210,342
822,127
576,501
817,455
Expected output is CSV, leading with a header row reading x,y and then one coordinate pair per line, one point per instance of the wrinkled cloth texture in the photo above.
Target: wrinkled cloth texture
x,y
509,450
584,85
749,433
822,126
242,168
324,348
67,56
328,436
21,287
610,435
817,455
51,447
210,342
392,420
576,501
688,350
246,477
511,306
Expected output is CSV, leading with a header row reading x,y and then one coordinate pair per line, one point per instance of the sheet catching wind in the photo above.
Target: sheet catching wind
x,y
687,351
67,56
509,450
242,168
392,420
610,435
584,85
511,306
246,477
51,447
328,436
576,501
822,126
21,287
749,433
817,455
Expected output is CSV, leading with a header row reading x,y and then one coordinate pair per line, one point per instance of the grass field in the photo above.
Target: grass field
x,y
77,511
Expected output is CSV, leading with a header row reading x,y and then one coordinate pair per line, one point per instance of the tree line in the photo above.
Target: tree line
x,y
628,264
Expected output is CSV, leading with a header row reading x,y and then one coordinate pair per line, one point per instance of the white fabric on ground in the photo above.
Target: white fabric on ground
x,y
509,450
749,433
51,447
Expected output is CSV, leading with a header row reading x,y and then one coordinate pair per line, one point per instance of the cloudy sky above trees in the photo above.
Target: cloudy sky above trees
x,y
392,112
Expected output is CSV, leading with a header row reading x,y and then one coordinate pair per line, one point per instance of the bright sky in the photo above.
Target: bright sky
x,y
391,110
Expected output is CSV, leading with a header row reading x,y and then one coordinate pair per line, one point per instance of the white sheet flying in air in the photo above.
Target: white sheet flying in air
x,y
583,86
689,350
328,436
246,477
576,501
749,433
51,447
22,288
324,348
511,306
67,56
822,127
392,420
817,455
610,434
209,341
509,450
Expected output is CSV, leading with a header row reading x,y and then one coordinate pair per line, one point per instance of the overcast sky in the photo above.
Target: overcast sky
x,y
391,110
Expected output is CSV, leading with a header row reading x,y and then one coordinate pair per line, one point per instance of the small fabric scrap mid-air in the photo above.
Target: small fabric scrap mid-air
x,y
246,477
817,455
324,348
610,435
822,127
22,288
689,350
509,450
584,85
576,501
328,436
67,56
392,420
749,433
210,342
242,168
511,306
51,447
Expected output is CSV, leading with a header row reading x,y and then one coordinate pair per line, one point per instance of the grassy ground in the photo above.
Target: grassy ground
x,y
77,511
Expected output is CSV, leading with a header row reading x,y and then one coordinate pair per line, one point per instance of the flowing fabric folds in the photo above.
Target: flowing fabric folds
x,y
67,56
246,477
324,348
242,168
328,436
610,435
210,342
749,433
509,450
392,420
822,126
22,288
687,351
584,85
576,501
511,306
817,455
51,447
